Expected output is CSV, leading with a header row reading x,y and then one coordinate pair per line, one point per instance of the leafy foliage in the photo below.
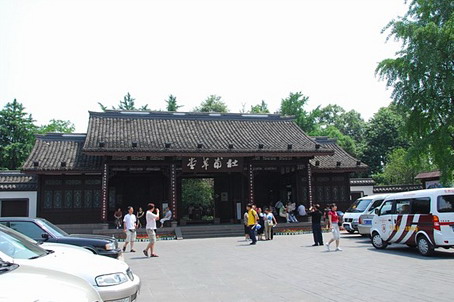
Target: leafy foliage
x,y
128,103
293,105
422,77
198,192
59,126
16,135
172,103
212,104
260,108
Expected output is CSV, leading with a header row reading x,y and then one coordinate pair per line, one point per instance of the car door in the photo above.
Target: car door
x,y
401,220
383,221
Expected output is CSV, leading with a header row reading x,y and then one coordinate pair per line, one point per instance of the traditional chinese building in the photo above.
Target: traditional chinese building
x,y
132,158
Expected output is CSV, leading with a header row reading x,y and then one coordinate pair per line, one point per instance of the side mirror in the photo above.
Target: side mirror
x,y
377,212
45,236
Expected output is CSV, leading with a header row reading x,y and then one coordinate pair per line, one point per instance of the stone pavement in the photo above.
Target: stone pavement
x,y
290,269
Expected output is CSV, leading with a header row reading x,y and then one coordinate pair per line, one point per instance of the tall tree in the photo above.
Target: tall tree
x,y
382,135
260,108
16,135
59,126
128,103
172,103
422,78
212,104
294,105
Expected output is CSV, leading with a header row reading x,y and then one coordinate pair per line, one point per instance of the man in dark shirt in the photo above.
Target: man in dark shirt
x,y
316,215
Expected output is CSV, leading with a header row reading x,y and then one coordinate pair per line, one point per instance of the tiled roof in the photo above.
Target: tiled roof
x,y
148,133
341,161
17,181
396,188
362,182
61,152
427,175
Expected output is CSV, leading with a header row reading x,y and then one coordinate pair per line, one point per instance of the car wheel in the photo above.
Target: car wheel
x,y
351,231
424,246
377,242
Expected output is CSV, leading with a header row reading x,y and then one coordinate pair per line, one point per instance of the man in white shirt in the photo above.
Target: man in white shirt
x,y
301,211
130,224
151,229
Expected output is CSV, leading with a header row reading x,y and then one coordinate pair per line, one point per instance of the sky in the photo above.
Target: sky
x,y
59,58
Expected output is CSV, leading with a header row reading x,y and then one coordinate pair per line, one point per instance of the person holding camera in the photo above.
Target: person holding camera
x,y
316,215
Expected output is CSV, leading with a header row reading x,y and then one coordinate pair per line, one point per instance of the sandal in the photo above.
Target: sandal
x,y
154,255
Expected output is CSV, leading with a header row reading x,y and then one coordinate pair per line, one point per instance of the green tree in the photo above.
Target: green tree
x,y
59,126
128,103
293,105
212,104
402,168
344,141
16,135
422,78
383,134
260,108
172,103
198,192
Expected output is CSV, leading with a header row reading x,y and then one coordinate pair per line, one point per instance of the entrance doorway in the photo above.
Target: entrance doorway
x,y
14,207
197,196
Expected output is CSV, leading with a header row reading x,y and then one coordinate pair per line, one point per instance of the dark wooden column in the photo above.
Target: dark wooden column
x,y
173,190
104,192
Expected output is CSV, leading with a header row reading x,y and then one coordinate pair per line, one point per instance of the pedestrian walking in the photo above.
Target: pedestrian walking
x,y
261,230
130,225
151,217
252,222
316,215
246,229
333,224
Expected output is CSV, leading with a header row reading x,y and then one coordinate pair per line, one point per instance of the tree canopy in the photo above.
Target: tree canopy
x,y
59,126
16,135
260,108
172,103
128,103
213,103
422,78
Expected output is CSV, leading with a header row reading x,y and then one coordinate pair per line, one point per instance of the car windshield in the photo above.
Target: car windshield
x,y
53,229
17,247
359,206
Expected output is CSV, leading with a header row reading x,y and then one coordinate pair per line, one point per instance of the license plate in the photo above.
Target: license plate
x,y
367,221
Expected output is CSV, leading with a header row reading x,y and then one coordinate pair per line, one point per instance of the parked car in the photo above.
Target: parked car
x,y
42,230
113,279
26,283
360,206
423,219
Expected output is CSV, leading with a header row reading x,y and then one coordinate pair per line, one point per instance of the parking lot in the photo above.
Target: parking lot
x,y
290,269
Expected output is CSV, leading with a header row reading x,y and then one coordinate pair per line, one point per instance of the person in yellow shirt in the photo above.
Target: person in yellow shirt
x,y
252,219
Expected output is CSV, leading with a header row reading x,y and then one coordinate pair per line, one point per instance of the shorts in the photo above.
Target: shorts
x,y
335,231
246,230
130,235
151,235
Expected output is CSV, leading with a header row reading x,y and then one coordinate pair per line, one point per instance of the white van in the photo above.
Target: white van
x,y
423,219
360,206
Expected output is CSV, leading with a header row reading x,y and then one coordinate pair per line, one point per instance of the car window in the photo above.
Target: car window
x,y
5,223
27,228
54,230
420,206
18,247
386,208
376,204
403,206
359,206
445,203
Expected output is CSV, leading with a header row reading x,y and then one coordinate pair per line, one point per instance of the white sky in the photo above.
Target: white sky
x,y
60,58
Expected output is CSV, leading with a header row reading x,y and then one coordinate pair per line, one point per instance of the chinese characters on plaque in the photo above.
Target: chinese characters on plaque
x,y
212,164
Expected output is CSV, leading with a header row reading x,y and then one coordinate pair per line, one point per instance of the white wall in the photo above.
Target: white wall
x,y
31,196
367,190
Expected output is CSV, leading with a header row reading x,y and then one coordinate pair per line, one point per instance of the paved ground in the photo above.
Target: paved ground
x,y
290,269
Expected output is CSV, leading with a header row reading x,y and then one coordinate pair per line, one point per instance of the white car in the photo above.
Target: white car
x,y
360,206
113,279
24,283
423,219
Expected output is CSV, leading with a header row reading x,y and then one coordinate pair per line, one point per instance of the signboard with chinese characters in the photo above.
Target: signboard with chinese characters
x,y
212,164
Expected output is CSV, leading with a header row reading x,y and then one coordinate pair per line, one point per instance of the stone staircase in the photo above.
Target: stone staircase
x,y
211,231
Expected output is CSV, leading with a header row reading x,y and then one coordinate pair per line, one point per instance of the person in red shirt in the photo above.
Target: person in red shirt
x,y
333,224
